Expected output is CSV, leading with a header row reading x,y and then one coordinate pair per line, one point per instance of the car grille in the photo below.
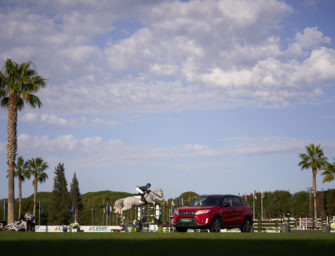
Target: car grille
x,y
187,212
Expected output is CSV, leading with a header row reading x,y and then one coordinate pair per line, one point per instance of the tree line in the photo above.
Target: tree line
x,y
299,204
92,205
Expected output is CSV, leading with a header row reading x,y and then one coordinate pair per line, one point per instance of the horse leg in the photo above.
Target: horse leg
x,y
121,217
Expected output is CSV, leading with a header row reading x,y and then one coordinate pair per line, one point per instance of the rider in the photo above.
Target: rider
x,y
143,190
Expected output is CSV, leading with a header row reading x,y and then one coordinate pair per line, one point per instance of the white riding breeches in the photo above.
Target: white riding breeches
x,y
138,190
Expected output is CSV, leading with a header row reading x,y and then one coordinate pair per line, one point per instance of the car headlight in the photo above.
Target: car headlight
x,y
202,212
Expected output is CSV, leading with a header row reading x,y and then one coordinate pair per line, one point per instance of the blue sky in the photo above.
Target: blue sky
x,y
204,96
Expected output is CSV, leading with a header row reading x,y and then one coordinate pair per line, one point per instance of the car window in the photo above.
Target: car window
x,y
227,201
237,201
206,201
212,200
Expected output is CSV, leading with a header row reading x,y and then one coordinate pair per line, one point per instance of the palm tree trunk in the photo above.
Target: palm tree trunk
x,y
11,154
20,193
11,200
35,195
314,194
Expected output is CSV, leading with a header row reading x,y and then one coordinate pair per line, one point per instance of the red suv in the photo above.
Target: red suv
x,y
214,212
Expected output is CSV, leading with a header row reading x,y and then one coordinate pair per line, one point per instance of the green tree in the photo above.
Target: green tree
x,y
329,172
315,160
276,203
21,173
61,204
36,167
187,197
18,83
300,204
330,202
75,196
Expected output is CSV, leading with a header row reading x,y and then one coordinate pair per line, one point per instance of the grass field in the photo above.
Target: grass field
x,y
12,243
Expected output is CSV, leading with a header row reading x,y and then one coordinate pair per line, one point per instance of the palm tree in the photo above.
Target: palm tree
x,y
329,172
21,173
18,83
36,167
315,160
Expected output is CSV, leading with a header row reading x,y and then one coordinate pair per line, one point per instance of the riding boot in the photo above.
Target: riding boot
x,y
143,199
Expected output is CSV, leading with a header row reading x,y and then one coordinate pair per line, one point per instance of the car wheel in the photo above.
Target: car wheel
x,y
181,229
247,225
216,225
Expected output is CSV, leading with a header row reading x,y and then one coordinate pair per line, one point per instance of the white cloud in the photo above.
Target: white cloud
x,y
309,39
42,145
264,145
319,68
104,123
49,120
275,81
29,117
181,55
54,121
114,151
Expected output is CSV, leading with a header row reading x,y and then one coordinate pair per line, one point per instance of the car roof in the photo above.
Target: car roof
x,y
221,195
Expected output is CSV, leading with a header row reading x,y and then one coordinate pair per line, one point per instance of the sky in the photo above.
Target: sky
x,y
204,96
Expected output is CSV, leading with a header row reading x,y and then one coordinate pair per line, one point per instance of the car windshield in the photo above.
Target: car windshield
x,y
206,201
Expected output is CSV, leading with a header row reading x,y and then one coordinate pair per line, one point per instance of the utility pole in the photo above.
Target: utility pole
x,y
103,211
4,209
262,206
92,214
253,206
107,214
39,213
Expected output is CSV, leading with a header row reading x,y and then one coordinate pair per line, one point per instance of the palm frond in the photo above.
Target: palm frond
x,y
329,172
21,81
36,167
4,102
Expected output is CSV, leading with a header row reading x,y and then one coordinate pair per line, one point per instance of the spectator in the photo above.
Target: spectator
x,y
30,219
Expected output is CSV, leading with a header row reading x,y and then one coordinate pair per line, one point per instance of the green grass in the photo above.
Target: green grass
x,y
166,244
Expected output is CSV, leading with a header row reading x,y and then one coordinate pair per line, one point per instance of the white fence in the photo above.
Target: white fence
x,y
274,225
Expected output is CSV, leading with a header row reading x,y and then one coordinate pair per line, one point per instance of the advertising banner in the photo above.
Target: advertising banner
x,y
82,228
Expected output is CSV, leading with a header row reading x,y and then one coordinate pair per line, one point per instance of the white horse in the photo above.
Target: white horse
x,y
126,203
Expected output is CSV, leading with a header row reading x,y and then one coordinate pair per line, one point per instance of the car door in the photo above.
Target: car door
x,y
238,208
227,212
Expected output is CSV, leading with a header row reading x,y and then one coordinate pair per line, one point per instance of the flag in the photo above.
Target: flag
x,y
72,209
255,196
109,208
173,209
41,209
